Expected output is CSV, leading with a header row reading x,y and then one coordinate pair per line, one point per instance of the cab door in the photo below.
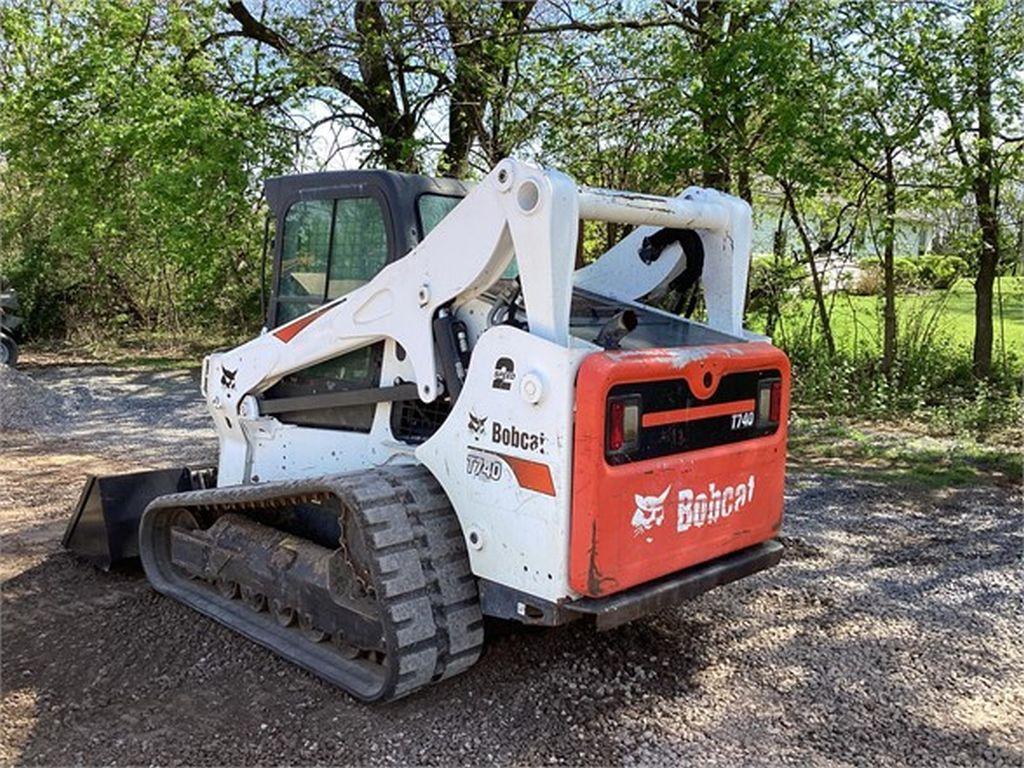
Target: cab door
x,y
327,247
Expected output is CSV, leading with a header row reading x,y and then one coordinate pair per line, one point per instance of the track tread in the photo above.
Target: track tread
x,y
416,556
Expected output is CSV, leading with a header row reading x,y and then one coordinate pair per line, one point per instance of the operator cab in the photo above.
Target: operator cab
x,y
335,232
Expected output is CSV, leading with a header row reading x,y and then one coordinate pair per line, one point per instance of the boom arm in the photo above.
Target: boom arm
x,y
723,222
516,211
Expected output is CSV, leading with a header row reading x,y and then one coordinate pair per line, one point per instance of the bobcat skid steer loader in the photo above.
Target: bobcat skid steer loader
x,y
444,421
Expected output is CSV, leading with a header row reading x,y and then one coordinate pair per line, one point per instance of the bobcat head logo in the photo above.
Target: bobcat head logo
x,y
476,423
227,378
649,513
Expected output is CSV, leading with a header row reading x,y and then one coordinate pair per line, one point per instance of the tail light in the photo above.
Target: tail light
x,y
769,402
623,424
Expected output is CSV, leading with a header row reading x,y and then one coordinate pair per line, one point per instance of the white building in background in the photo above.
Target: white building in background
x,y
915,233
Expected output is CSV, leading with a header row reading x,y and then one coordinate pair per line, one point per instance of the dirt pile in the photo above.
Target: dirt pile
x,y
28,406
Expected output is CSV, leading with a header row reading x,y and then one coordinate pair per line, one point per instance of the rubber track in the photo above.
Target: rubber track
x,y
417,562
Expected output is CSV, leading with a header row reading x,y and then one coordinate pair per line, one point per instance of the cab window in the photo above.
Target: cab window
x,y
307,236
359,248
329,248
433,208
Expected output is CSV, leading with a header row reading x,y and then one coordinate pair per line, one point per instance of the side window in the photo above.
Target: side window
x,y
359,249
307,236
433,208
328,248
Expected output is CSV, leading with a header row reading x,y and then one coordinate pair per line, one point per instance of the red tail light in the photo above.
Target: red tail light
x,y
774,411
623,428
616,426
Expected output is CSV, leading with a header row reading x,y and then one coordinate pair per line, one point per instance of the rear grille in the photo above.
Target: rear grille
x,y
675,421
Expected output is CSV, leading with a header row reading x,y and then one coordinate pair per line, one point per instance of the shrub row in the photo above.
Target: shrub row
x,y
931,270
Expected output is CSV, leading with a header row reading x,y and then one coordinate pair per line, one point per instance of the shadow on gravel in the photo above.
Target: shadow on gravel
x,y
118,674
890,633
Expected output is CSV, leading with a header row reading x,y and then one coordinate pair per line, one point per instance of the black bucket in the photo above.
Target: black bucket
x,y
104,528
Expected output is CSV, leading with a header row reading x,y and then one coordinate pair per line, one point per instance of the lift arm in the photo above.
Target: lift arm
x,y
517,211
723,222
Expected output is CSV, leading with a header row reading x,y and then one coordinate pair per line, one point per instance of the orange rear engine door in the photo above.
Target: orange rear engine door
x,y
705,475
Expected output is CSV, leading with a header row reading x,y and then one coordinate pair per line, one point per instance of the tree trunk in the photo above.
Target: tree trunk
x,y
743,184
481,74
464,110
985,202
988,261
889,271
816,281
397,127
774,291
715,172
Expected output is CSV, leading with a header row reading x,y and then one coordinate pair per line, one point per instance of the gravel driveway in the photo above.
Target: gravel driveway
x,y
890,633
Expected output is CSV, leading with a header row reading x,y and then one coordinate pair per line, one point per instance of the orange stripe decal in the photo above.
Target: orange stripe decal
x,y
661,418
288,332
531,475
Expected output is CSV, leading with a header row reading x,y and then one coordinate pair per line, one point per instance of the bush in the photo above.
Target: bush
x,y
869,280
906,272
773,283
928,271
941,271
932,382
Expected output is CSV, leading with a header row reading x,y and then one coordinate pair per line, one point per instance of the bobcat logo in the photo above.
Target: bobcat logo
x,y
476,423
227,378
650,512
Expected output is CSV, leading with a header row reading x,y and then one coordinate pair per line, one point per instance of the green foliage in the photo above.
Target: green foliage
x,y
134,135
942,271
930,271
772,281
932,379
934,384
905,272
127,196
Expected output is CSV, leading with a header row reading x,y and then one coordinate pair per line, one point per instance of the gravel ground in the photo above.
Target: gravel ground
x,y
891,633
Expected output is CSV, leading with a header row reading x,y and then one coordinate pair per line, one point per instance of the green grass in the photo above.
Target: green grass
x,y
903,453
857,320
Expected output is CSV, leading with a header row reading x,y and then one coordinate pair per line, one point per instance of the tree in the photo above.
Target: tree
x,y
126,197
966,57
384,69
888,118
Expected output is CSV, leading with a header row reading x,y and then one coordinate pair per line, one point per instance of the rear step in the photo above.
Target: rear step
x,y
362,579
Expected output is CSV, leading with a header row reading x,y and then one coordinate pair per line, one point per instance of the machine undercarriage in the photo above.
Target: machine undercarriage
x,y
362,579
